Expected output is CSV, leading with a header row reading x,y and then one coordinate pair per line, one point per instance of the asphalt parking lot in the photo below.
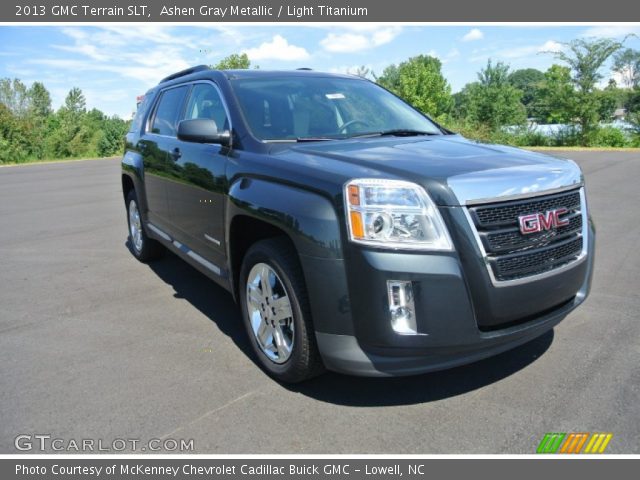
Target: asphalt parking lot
x,y
95,345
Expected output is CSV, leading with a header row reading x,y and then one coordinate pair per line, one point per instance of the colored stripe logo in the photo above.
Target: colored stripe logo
x,y
574,443
598,443
550,442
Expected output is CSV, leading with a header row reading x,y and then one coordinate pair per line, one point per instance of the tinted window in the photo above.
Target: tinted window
x,y
286,108
136,124
165,120
205,102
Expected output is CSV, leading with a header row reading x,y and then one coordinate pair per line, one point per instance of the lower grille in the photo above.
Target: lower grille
x,y
512,255
532,263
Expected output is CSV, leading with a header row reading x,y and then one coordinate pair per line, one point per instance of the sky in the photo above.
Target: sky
x,y
112,64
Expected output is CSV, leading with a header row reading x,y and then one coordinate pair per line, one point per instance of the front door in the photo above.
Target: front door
x,y
196,192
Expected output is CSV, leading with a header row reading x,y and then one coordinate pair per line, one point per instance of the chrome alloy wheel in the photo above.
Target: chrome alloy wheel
x,y
270,313
135,226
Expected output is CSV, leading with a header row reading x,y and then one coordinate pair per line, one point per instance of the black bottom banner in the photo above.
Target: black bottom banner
x,y
312,468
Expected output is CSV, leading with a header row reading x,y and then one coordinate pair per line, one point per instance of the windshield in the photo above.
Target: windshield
x,y
294,108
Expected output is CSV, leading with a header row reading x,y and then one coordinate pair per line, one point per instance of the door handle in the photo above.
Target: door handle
x,y
175,154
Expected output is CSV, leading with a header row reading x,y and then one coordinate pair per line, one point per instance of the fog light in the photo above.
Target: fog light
x,y
401,307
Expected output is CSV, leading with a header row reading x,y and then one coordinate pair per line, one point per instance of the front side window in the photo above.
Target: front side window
x,y
205,102
289,108
165,121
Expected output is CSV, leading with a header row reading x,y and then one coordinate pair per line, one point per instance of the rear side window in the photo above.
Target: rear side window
x,y
165,120
136,124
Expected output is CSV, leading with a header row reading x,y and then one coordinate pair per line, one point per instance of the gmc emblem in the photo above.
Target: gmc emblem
x,y
537,222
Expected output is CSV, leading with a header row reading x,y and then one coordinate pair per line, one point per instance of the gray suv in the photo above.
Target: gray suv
x,y
356,234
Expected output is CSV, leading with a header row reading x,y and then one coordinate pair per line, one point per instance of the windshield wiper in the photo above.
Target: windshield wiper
x,y
315,139
397,132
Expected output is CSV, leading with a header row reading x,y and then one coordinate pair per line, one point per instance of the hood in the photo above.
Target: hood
x,y
455,171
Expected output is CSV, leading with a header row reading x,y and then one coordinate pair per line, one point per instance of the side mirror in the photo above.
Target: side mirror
x,y
202,130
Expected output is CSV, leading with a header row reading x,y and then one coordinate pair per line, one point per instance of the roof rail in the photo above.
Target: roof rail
x,y
182,73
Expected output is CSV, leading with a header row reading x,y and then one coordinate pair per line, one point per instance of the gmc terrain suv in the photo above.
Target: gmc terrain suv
x,y
356,234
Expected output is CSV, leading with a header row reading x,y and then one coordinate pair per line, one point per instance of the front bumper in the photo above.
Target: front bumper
x,y
447,316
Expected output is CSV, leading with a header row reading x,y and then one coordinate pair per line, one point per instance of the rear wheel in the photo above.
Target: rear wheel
x,y
142,247
276,312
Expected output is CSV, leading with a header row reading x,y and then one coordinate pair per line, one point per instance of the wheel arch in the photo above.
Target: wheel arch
x,y
259,208
132,179
127,185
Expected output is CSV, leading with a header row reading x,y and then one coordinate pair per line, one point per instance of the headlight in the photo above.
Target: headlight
x,y
395,214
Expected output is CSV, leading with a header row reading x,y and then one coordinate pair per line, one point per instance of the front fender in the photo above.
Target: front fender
x,y
309,219
311,222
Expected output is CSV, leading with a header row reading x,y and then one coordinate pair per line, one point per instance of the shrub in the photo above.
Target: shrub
x,y
566,137
607,137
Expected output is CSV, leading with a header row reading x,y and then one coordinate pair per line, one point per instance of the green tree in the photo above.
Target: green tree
x,y
556,99
25,126
627,64
75,101
112,139
14,96
611,98
38,114
633,112
30,129
527,80
586,57
14,137
73,132
39,101
492,101
95,116
234,61
420,82
390,78
459,99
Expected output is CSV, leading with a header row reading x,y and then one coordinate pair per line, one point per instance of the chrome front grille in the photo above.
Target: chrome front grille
x,y
506,213
510,239
513,256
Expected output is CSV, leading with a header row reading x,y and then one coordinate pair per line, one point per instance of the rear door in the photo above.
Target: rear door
x,y
196,191
156,146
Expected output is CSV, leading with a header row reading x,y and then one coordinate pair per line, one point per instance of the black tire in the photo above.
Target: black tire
x,y
304,361
147,249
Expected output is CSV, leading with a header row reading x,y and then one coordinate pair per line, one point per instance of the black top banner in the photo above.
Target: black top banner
x,y
65,11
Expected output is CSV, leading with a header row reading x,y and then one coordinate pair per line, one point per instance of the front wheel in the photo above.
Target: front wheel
x,y
276,313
